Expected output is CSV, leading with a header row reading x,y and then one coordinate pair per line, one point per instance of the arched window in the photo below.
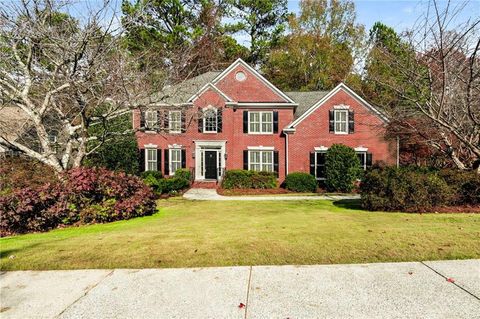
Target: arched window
x,y
210,120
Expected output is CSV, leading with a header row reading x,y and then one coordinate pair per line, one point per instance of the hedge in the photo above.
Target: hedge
x,y
342,168
171,185
249,179
301,182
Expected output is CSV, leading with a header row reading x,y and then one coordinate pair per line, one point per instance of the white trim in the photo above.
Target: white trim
x,y
169,122
151,127
341,107
255,73
346,122
259,104
200,147
146,158
286,155
260,123
361,149
205,109
171,172
339,87
260,148
205,88
175,146
150,145
320,149
260,162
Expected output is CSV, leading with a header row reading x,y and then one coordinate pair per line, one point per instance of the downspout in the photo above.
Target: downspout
x,y
286,155
398,151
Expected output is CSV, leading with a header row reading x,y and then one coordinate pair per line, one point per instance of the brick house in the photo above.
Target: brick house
x,y
237,119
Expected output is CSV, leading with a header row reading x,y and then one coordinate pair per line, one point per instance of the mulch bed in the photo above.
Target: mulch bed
x,y
250,191
457,209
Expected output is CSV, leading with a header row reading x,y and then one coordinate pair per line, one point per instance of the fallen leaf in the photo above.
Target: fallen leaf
x,y
410,272
451,280
241,305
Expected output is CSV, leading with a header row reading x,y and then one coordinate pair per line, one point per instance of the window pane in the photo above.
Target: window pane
x,y
210,118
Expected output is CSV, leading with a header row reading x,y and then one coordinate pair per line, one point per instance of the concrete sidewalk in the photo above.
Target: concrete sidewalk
x,y
384,290
211,194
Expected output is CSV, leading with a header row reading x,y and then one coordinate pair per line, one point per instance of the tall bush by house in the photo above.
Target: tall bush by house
x,y
404,189
238,178
465,186
82,195
342,168
300,182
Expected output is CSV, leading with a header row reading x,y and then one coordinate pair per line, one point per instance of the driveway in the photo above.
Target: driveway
x,y
437,289
211,194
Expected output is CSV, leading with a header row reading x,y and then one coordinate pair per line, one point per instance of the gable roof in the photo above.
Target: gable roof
x,y
256,74
305,100
208,86
182,92
344,87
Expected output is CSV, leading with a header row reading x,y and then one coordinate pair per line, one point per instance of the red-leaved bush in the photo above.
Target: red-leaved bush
x,y
81,196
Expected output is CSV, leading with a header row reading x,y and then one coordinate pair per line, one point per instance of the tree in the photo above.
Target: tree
x,y
441,101
342,168
65,76
319,50
263,22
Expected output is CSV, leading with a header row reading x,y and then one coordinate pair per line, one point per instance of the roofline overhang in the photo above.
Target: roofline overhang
x,y
289,130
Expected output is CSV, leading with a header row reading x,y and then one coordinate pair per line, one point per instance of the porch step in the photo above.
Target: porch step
x,y
205,184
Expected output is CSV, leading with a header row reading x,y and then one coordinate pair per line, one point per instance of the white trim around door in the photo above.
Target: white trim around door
x,y
200,148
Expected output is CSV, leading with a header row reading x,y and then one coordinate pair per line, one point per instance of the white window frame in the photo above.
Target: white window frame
x,y
335,122
151,161
171,162
171,122
205,122
261,122
364,165
261,162
153,123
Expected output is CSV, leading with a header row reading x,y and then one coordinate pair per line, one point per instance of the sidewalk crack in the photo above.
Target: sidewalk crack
x,y
248,290
441,275
85,293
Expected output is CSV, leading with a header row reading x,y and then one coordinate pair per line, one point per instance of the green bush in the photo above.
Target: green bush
x,y
465,186
300,182
183,173
403,189
173,185
238,178
342,168
154,174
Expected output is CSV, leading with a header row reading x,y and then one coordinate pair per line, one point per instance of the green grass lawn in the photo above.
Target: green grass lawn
x,y
223,233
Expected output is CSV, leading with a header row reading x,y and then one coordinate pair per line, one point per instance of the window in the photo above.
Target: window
x,y
260,161
210,121
320,172
362,157
175,159
151,159
150,119
175,121
260,122
341,121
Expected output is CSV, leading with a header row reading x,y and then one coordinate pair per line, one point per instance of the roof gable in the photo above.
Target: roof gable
x,y
242,90
326,97
206,87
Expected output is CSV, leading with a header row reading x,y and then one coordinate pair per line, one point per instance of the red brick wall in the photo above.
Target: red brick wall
x,y
250,90
313,131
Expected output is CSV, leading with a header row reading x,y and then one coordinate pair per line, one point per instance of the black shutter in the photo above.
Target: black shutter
x,y
184,158
219,120
142,120
331,121
320,169
351,122
141,160
184,124
200,121
369,160
166,170
166,118
275,121
275,162
159,160
312,163
245,121
245,160
159,121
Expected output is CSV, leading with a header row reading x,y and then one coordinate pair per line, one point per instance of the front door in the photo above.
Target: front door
x,y
211,165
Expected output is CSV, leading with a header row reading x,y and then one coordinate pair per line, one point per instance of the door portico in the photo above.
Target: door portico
x,y
209,160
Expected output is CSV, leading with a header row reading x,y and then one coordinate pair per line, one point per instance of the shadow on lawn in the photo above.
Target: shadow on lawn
x,y
355,204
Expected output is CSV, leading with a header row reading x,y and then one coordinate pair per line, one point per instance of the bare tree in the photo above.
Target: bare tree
x,y
66,75
443,109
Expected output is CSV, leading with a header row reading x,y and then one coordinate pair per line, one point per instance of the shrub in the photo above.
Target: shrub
x,y
403,189
249,179
183,173
342,168
300,182
465,186
172,185
82,195
154,174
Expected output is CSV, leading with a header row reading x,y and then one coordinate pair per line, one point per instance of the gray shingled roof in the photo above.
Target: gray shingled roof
x,y
180,93
305,100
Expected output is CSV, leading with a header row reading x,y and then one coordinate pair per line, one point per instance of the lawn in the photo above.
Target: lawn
x,y
223,233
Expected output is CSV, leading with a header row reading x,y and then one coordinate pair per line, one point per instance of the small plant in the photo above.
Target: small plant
x,y
300,182
249,179
183,173
342,168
